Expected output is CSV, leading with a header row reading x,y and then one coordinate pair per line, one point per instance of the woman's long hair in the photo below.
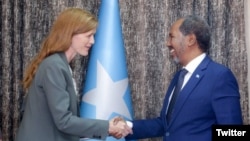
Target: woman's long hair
x,y
70,22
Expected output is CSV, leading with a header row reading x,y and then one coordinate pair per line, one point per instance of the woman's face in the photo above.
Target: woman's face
x,y
81,43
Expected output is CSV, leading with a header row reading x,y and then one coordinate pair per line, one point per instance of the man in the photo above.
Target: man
x,y
209,94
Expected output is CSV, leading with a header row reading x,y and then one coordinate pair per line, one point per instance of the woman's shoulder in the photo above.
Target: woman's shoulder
x,y
54,60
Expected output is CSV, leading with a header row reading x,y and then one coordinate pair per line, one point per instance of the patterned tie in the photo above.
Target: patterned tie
x,y
176,93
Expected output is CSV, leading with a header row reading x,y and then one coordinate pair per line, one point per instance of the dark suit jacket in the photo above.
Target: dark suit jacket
x,y
211,96
51,109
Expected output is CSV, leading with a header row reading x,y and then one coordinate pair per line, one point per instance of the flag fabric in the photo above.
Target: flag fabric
x,y
106,91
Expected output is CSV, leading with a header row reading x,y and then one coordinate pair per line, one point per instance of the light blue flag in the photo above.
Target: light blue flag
x,y
106,92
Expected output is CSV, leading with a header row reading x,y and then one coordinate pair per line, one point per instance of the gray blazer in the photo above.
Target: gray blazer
x,y
51,109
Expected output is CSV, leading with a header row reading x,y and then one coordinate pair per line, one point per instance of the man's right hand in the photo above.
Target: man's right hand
x,y
118,128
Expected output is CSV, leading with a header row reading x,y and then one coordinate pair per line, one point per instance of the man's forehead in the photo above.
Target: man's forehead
x,y
175,26
178,23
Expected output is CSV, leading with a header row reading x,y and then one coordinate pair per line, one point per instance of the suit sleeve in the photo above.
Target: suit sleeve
x,y
226,99
54,85
147,128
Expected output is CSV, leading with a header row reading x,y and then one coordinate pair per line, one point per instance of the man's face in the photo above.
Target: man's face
x,y
176,42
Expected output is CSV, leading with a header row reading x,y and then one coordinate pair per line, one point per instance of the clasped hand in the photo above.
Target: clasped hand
x,y
118,128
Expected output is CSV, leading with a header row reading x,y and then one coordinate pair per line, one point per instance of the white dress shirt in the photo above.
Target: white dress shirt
x,y
190,67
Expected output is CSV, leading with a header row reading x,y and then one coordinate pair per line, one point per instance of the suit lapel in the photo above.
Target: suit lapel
x,y
168,93
166,100
190,86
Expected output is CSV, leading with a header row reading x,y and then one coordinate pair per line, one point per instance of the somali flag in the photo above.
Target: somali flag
x,y
106,92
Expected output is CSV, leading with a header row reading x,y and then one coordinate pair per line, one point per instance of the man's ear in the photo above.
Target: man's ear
x,y
191,40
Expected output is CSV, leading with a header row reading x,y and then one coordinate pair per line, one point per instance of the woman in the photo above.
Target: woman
x,y
51,108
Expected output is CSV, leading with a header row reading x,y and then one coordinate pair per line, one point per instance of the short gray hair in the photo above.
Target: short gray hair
x,y
199,27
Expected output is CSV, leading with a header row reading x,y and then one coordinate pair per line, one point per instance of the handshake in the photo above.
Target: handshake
x,y
119,128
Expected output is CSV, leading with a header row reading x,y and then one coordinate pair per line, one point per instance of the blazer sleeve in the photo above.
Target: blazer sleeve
x,y
226,99
147,128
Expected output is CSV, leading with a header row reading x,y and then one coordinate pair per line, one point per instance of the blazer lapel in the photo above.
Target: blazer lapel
x,y
63,57
190,86
168,93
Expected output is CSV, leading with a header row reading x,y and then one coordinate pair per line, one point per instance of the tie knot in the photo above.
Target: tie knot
x,y
183,72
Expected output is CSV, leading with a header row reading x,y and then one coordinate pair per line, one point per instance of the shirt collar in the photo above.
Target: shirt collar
x,y
192,65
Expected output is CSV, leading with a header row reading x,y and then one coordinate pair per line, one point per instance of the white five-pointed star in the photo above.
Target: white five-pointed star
x,y
108,95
